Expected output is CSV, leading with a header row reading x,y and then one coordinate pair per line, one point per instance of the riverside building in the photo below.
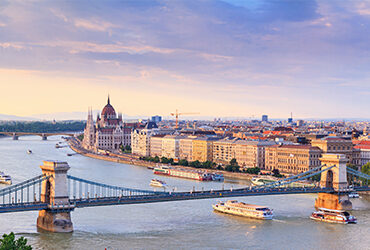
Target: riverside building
x,y
251,154
292,159
108,133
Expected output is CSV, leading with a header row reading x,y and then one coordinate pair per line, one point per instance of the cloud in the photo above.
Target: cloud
x,y
95,24
264,54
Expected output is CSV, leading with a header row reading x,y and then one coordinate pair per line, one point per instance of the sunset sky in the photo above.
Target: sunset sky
x,y
219,58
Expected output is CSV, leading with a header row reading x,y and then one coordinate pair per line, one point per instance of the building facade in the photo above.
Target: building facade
x,y
292,159
186,148
171,146
203,148
223,150
108,133
156,145
251,154
336,145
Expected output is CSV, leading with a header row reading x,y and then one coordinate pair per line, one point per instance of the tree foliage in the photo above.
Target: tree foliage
x,y
8,242
254,170
42,127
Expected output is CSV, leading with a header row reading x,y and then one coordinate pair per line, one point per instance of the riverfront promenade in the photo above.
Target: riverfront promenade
x,y
75,145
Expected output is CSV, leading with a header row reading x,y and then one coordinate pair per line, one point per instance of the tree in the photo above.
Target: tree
x,y
233,162
351,177
207,164
276,173
156,159
195,164
8,242
366,168
183,162
254,170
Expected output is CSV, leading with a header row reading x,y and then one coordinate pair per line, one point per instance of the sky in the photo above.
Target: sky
x,y
221,58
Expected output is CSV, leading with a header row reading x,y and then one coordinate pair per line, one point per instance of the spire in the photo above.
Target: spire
x,y
108,99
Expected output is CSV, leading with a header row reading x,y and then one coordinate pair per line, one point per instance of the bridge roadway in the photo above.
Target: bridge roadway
x,y
166,197
44,136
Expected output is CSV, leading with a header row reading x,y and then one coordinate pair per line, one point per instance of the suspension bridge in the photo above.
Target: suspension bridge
x,y
55,193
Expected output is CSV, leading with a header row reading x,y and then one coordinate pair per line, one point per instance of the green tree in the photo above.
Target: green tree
x,y
183,162
254,170
276,173
366,168
164,160
195,164
8,242
156,159
80,137
233,162
351,177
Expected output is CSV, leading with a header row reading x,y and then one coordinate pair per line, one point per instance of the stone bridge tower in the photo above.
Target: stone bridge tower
x,y
335,178
54,192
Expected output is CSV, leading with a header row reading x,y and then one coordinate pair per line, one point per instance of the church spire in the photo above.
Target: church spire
x,y
108,99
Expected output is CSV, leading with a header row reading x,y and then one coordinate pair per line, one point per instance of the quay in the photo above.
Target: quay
x,y
75,145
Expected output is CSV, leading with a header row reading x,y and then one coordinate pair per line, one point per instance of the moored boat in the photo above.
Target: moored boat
x,y
242,209
5,179
157,183
183,173
353,195
217,177
333,216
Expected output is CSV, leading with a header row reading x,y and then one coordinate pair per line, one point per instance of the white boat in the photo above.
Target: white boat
x,y
259,181
157,183
5,179
242,209
29,151
333,216
353,195
217,177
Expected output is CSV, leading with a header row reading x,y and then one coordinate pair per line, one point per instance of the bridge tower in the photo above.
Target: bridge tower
x,y
44,137
335,178
54,192
15,136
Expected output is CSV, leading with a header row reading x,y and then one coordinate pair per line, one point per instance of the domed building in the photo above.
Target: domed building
x,y
108,133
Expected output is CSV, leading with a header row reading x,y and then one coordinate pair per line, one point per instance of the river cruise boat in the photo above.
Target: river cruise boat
x,y
5,179
259,181
157,183
353,195
183,173
333,216
242,209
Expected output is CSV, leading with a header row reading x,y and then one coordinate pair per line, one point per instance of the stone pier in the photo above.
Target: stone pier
x,y
335,178
15,136
54,191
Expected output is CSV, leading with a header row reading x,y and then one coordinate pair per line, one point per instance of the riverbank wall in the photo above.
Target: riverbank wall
x,y
136,162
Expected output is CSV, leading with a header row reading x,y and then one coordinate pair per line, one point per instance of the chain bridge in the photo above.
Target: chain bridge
x,y
44,136
55,193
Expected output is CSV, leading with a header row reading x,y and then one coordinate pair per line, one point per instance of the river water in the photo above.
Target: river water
x,y
170,225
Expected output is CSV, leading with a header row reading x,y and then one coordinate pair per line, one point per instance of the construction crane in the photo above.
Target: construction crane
x,y
176,114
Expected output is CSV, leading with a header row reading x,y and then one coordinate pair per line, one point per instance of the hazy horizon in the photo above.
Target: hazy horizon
x,y
221,58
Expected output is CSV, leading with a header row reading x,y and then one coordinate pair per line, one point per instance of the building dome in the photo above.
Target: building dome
x,y
108,110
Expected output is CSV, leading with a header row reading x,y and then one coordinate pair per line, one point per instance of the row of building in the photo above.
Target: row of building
x,y
268,155
109,132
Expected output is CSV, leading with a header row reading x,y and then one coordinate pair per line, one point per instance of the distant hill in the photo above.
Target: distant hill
x,y
4,117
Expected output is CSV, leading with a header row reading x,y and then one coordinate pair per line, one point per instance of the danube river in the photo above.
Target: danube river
x,y
170,225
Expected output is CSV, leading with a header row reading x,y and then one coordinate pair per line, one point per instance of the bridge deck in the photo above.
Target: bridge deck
x,y
166,197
